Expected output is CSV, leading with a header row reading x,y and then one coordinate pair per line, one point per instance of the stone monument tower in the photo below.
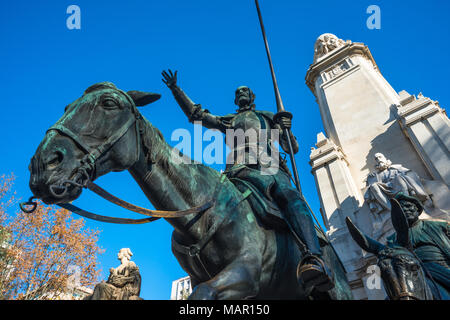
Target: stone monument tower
x,y
376,142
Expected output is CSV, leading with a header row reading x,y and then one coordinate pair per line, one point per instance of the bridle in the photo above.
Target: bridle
x,y
407,294
84,175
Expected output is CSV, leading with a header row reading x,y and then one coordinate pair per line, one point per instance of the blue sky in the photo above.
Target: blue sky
x,y
216,46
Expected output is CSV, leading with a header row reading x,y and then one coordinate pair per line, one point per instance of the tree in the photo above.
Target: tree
x,y
44,254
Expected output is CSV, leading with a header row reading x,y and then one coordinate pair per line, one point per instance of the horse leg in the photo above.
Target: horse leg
x,y
239,280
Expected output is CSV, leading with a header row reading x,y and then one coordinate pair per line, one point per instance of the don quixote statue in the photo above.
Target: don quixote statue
x,y
237,256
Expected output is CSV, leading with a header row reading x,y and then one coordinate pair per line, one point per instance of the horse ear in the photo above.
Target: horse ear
x,y
400,223
141,98
366,243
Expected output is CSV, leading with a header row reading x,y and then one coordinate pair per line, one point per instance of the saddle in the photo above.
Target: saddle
x,y
266,210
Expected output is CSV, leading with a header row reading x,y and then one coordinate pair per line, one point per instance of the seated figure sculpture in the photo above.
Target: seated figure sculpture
x,y
387,181
124,282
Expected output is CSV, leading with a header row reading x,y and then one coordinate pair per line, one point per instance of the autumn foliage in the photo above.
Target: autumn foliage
x,y
43,254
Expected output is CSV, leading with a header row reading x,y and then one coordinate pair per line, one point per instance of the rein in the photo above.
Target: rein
x,y
153,214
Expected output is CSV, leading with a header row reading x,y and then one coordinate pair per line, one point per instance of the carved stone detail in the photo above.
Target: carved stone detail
x,y
325,44
336,70
389,179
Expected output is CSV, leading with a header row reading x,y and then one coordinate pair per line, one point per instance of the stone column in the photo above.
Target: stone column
x,y
358,107
330,169
358,110
339,198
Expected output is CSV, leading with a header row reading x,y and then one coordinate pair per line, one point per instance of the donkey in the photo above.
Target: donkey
x,y
225,249
403,274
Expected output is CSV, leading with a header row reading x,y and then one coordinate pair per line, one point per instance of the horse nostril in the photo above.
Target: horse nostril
x,y
55,160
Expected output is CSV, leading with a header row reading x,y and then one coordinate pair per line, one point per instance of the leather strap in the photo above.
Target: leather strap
x,y
152,213
95,153
97,217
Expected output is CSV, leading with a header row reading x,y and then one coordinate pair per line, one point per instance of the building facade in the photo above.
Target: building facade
x,y
181,289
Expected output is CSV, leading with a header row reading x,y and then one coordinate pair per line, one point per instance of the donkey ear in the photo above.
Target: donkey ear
x,y
141,98
366,243
400,223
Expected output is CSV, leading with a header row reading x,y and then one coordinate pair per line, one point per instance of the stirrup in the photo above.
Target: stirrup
x,y
312,275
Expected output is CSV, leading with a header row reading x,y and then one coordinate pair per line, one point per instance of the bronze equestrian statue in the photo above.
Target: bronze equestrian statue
x,y
410,272
311,269
226,249
429,239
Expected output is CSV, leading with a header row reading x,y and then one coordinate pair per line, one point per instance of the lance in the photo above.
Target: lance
x,y
283,113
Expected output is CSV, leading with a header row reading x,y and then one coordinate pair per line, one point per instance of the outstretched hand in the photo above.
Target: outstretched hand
x,y
170,79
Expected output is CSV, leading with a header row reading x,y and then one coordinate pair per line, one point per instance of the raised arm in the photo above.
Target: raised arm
x,y
193,111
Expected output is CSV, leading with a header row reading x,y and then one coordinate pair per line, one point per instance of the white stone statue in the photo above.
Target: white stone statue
x,y
124,282
326,43
387,181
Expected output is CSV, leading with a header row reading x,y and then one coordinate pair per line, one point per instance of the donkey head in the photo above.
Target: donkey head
x,y
401,270
98,133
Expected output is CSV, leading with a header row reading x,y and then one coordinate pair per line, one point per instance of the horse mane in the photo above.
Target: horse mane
x,y
160,152
99,86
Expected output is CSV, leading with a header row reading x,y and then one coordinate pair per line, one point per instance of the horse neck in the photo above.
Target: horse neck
x,y
170,185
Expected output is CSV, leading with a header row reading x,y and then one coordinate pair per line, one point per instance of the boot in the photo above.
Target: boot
x,y
312,273
311,270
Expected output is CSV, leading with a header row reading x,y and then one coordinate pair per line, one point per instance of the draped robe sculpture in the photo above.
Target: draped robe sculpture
x,y
124,282
389,179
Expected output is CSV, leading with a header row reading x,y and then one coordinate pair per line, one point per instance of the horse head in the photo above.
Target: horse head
x,y
401,271
98,133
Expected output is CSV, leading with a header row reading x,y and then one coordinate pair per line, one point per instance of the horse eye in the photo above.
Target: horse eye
x,y
109,103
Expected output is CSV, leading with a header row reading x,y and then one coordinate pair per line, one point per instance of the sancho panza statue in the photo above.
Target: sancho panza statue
x,y
311,270
389,179
430,240
124,282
